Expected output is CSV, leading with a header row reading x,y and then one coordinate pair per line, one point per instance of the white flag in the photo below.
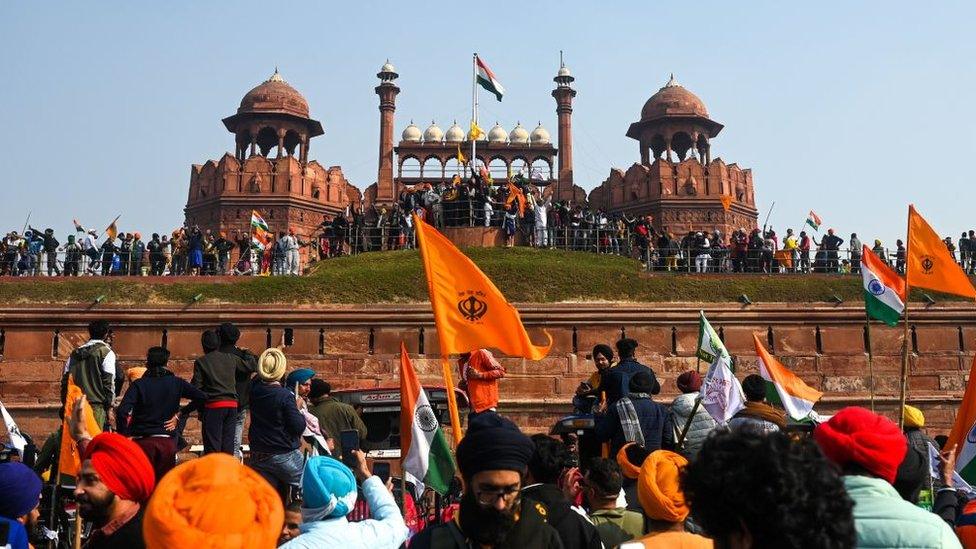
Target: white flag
x,y
721,392
16,438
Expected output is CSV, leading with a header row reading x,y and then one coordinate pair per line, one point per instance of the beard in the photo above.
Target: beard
x,y
485,525
95,509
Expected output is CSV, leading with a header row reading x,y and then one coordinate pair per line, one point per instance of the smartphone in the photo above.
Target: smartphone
x,y
349,441
382,470
289,337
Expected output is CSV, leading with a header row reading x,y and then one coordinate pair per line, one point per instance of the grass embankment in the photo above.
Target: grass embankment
x,y
523,274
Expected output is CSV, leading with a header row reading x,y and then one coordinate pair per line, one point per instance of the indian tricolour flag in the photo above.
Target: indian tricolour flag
x,y
721,393
427,458
814,220
963,434
784,387
260,233
487,80
884,290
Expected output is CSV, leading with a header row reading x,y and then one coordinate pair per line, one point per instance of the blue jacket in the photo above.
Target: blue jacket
x,y
655,425
276,423
385,530
882,519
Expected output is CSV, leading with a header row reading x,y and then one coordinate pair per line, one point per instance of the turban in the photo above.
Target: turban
x,y
856,436
659,489
213,502
493,443
689,382
21,489
328,489
300,376
627,467
122,465
913,417
134,373
271,364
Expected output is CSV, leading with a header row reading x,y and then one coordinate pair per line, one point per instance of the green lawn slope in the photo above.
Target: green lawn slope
x,y
523,274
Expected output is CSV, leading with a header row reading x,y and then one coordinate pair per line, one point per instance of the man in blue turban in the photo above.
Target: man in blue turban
x,y
20,497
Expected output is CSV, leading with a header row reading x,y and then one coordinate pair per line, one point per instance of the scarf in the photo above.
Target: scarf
x,y
629,422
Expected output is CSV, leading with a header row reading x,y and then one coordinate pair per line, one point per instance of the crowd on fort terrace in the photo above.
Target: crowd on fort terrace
x,y
521,210
669,475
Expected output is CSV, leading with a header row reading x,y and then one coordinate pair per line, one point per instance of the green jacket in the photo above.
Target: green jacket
x,y
335,417
616,526
92,368
882,519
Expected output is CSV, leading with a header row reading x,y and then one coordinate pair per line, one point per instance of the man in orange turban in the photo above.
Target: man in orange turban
x,y
115,481
663,501
213,502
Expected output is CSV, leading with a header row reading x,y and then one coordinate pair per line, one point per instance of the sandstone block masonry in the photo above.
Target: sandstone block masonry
x,y
357,347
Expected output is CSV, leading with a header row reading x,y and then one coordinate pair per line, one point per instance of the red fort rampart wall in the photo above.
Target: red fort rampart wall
x,y
356,346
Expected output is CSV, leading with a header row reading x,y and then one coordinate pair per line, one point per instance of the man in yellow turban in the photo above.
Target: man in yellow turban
x,y
664,504
213,502
914,425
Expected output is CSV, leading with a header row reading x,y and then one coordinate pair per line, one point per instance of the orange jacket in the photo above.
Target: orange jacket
x,y
481,374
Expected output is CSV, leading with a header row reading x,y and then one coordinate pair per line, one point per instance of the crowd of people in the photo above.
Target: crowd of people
x,y
524,212
667,474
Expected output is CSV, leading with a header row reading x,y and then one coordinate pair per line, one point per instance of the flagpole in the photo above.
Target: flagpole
x,y
904,354
451,397
474,111
867,332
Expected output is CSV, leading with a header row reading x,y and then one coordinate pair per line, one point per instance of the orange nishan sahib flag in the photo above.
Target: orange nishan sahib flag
x,y
69,460
469,311
929,264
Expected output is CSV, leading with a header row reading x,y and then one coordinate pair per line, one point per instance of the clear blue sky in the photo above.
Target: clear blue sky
x,y
852,109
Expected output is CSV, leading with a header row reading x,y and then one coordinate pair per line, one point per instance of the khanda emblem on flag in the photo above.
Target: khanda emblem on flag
x,y
927,264
471,307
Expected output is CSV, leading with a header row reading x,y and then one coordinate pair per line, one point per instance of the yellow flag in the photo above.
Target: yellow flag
x,y
69,460
469,311
475,132
461,159
929,264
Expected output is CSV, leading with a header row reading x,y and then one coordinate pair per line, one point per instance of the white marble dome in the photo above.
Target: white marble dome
x,y
454,134
497,134
519,134
411,133
433,133
540,136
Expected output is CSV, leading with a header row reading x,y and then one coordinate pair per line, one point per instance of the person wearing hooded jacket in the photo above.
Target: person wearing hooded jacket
x,y
683,407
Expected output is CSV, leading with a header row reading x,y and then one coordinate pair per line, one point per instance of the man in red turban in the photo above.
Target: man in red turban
x,y
113,486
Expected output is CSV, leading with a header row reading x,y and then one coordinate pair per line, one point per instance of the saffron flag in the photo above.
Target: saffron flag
x,y
487,80
17,439
113,230
721,393
469,310
929,264
785,387
884,290
261,235
726,201
515,193
963,434
460,157
814,220
69,461
426,454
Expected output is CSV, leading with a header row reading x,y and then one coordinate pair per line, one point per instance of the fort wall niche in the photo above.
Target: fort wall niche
x,y
356,346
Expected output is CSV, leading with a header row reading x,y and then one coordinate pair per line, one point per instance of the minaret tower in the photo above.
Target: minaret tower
x,y
564,94
387,90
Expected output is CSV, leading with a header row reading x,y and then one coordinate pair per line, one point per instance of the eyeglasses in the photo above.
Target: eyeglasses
x,y
488,496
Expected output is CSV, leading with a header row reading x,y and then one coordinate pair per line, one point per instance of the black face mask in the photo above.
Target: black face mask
x,y
485,525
